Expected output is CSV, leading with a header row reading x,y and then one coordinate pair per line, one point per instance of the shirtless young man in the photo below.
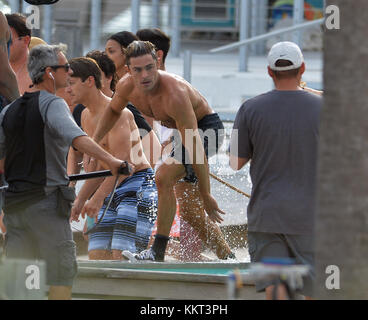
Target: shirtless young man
x,y
174,102
19,51
191,216
8,82
128,223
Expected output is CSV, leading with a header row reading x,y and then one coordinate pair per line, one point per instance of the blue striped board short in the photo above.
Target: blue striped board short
x,y
128,223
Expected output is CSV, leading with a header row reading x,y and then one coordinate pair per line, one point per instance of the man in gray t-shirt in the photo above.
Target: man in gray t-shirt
x,y
36,132
278,132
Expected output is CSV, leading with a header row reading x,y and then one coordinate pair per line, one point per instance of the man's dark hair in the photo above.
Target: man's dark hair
x,y
124,38
86,67
138,49
17,21
287,73
160,39
106,65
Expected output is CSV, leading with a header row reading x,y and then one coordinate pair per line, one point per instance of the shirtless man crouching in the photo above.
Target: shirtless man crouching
x,y
173,101
128,223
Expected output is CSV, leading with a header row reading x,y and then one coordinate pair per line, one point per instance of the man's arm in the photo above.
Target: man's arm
x,y
84,193
181,110
86,145
8,81
113,110
74,166
93,206
237,163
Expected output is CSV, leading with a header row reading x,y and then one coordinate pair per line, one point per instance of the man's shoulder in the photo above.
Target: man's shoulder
x,y
127,114
48,97
172,81
125,84
313,96
254,102
49,102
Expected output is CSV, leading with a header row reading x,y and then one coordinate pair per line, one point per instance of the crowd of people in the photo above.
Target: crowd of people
x,y
120,107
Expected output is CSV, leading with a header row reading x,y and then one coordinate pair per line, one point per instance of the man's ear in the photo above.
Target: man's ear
x,y
91,81
127,69
302,69
27,40
270,72
160,57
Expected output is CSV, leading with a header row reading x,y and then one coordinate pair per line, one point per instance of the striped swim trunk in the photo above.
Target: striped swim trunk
x,y
128,223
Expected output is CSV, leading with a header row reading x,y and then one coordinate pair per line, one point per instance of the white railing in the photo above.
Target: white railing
x,y
268,35
244,43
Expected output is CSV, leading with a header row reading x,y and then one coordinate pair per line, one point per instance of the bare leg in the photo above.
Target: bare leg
x,y
166,177
192,211
281,293
60,293
99,255
117,255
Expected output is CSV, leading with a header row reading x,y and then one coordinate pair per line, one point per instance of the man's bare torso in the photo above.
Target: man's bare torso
x,y
118,141
157,104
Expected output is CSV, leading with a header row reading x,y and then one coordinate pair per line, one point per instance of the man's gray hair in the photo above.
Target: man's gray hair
x,y
40,57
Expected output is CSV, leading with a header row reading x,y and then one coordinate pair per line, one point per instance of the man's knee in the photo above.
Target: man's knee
x,y
167,176
163,181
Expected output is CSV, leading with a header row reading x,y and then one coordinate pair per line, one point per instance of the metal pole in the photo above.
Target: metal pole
x,y
175,26
24,6
188,65
254,23
263,17
298,18
95,30
155,13
47,24
243,34
135,15
14,5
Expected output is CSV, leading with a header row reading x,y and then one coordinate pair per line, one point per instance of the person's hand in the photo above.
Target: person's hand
x,y
89,163
92,207
115,164
85,228
76,210
212,209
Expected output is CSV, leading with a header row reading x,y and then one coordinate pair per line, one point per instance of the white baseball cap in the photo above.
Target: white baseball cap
x,y
285,50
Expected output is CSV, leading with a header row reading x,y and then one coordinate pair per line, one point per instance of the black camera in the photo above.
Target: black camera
x,y
39,2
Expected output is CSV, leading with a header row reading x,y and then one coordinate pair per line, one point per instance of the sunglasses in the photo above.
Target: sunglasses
x,y
55,67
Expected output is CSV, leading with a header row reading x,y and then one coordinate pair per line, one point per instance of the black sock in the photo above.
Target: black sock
x,y
159,246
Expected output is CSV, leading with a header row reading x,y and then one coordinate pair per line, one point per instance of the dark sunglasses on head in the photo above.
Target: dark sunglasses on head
x,y
55,67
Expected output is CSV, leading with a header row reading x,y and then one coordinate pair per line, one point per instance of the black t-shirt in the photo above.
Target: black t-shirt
x,y
77,114
142,124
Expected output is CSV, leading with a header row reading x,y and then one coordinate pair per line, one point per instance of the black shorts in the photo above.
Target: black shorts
x,y
212,136
41,231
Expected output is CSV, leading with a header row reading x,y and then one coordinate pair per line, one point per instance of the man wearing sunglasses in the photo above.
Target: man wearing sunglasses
x,y
36,132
